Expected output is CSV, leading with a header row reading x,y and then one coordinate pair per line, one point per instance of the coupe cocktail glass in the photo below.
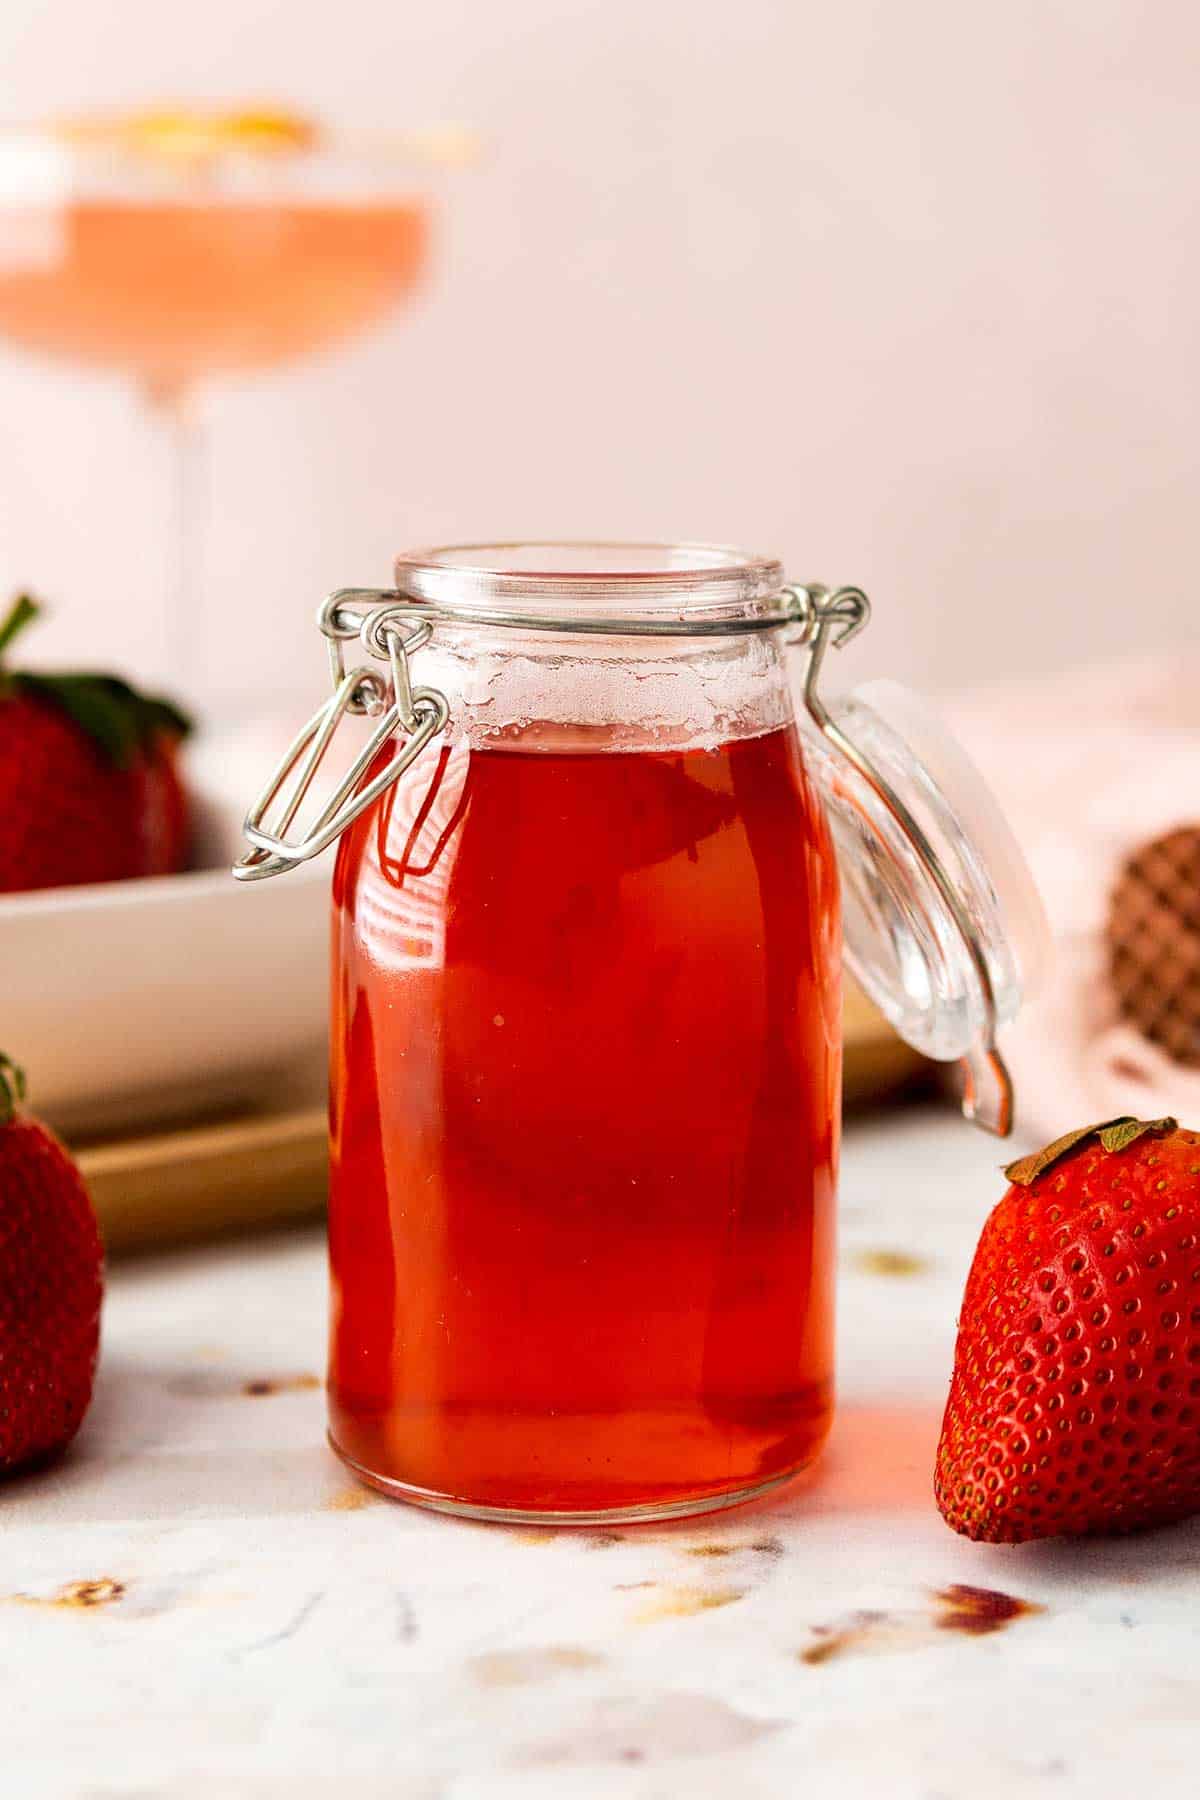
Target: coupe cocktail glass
x,y
177,248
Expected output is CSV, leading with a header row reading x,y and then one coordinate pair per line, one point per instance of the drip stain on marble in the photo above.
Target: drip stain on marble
x,y
280,1384
351,1499
973,1611
863,1630
99,1591
768,1546
215,1384
521,1668
977,1611
686,1602
891,1262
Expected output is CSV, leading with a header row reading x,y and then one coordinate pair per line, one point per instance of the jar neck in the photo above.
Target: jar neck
x,y
545,692
657,647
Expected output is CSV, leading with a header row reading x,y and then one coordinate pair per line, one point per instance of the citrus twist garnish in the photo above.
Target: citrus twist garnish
x,y
182,137
191,136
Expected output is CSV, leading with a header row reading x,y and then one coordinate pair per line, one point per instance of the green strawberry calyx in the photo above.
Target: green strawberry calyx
x,y
1114,1135
12,1089
118,718
19,615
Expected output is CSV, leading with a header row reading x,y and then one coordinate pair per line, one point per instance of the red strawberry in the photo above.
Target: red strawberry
x,y
1075,1401
51,1282
89,789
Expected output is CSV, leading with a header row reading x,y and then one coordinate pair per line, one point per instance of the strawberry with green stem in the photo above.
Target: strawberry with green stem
x,y
89,781
1074,1405
51,1285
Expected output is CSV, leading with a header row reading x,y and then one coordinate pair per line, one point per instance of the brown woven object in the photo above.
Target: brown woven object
x,y
1154,942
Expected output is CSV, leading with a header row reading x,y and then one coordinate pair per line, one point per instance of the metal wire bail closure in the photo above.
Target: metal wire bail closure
x,y
392,628
421,713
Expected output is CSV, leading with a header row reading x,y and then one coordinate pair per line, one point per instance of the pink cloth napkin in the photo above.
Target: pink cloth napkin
x,y
1089,766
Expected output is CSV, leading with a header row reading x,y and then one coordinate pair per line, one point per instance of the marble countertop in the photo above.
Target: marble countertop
x,y
198,1601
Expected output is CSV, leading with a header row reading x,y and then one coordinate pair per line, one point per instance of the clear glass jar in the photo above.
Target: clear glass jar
x,y
586,1025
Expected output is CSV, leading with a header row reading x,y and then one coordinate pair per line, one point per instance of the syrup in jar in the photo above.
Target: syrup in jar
x,y
585,1094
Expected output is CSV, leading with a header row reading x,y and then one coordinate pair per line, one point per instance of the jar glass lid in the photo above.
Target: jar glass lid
x,y
942,924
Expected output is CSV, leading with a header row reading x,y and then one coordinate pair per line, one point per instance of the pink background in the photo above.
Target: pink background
x,y
908,294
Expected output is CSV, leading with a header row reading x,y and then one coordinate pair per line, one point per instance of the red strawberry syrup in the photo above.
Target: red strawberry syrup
x,y
585,1095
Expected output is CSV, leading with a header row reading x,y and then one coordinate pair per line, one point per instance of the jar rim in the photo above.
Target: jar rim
x,y
630,577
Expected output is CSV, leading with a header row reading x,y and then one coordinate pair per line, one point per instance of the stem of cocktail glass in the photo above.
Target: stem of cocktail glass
x,y
173,407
